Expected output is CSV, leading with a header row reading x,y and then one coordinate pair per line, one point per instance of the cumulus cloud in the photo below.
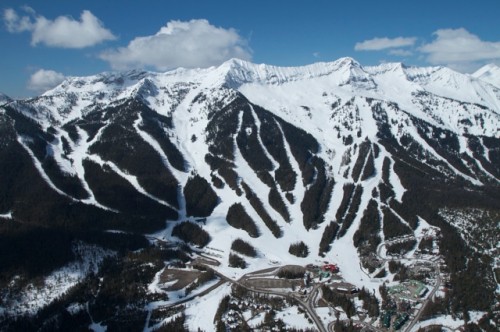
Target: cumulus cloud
x,y
43,80
14,23
63,31
190,44
377,44
459,47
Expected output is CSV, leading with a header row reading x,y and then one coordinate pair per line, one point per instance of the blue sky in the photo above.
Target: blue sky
x,y
45,41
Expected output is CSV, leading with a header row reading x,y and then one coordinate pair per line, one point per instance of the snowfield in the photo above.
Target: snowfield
x,y
442,118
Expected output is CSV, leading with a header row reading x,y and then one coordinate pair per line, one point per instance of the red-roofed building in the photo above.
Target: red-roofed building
x,y
331,268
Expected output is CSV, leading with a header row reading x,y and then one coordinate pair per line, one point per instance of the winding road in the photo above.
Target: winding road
x,y
424,304
308,304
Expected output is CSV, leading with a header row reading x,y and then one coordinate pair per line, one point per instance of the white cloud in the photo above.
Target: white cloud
x,y
43,80
14,23
455,48
377,44
459,48
63,31
400,52
190,44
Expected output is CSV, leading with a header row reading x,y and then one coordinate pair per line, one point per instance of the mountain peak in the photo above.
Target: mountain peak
x,y
4,99
344,70
489,73
389,80
392,66
347,61
486,68
108,80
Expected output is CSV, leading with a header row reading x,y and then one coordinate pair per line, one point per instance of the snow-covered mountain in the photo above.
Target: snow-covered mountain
x,y
489,73
356,163
4,99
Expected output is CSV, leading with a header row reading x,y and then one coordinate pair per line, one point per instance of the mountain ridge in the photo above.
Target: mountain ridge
x,y
360,166
377,82
489,73
4,99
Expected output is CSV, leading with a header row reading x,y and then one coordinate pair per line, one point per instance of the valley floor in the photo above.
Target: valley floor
x,y
300,302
